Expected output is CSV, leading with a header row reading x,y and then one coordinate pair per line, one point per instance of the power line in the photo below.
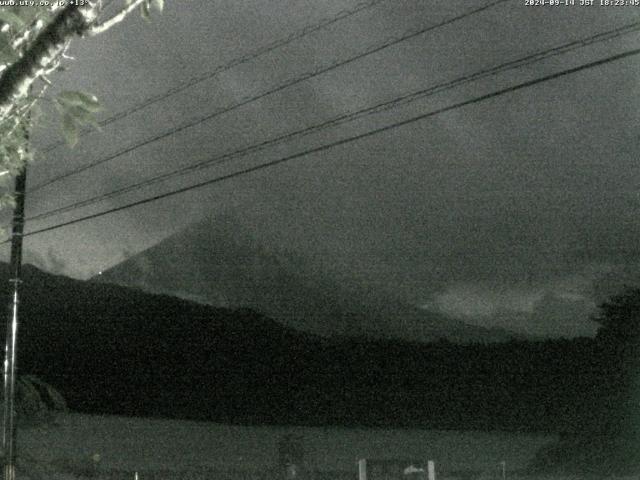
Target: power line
x,y
309,29
282,86
344,141
340,119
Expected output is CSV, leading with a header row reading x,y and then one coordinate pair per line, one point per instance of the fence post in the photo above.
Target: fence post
x,y
291,457
362,469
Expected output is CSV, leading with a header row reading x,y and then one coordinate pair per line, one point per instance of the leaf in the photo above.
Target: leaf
x,y
145,9
70,130
158,5
11,18
79,99
79,114
77,109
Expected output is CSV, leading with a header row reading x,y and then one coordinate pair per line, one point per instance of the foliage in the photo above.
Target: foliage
x,y
36,401
19,26
608,437
620,319
33,42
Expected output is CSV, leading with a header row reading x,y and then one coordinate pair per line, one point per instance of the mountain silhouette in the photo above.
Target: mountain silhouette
x,y
218,262
111,349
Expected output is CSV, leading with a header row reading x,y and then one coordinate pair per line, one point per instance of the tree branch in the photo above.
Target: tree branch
x,y
42,53
117,18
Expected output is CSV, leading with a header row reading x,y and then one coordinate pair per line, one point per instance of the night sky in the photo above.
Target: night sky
x,y
519,211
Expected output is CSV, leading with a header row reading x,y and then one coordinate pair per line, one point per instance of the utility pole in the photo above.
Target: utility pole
x,y
11,343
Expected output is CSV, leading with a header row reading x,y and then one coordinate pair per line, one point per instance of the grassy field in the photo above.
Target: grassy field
x,y
129,444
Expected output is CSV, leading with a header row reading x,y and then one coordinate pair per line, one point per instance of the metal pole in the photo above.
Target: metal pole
x,y
8,417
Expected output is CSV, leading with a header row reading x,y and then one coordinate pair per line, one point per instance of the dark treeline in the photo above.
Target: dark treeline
x,y
114,350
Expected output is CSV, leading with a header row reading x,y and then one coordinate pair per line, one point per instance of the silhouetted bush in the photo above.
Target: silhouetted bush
x,y
36,401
